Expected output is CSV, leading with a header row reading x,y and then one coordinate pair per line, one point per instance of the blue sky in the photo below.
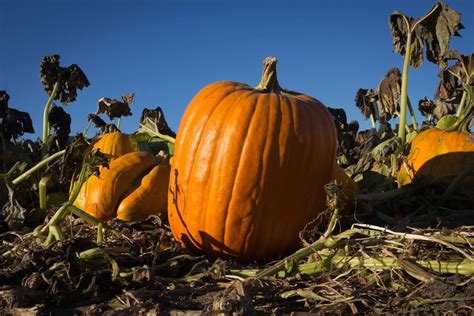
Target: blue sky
x,y
166,51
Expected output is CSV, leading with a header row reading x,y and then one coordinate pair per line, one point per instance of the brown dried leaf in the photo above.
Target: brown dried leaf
x,y
399,30
389,93
443,23
72,78
154,121
114,108
366,101
60,121
71,162
443,108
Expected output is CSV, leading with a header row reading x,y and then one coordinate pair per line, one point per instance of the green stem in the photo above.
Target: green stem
x,y
47,107
118,122
461,103
158,134
412,114
403,103
42,188
38,166
100,234
321,243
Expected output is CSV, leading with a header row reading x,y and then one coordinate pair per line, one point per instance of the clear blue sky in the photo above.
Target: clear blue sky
x,y
166,51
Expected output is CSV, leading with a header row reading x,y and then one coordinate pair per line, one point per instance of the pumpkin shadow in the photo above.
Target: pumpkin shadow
x,y
449,164
208,243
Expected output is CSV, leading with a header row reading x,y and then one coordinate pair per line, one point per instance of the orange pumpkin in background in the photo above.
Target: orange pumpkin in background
x,y
114,145
111,145
133,187
249,168
435,152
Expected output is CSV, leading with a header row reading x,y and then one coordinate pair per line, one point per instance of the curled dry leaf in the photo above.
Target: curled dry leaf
x,y
60,121
71,78
4,97
97,121
14,122
154,121
440,25
114,108
71,162
426,108
434,30
399,30
448,87
389,93
366,101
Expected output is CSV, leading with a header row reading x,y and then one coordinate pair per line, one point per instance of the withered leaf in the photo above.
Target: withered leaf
x,y
15,123
153,121
340,118
464,67
4,97
366,101
97,121
72,78
448,86
389,93
113,108
60,121
443,108
426,107
399,31
71,162
441,24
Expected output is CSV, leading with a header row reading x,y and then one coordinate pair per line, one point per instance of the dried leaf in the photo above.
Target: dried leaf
x,y
443,23
426,107
448,86
114,108
443,108
72,78
389,93
399,31
154,121
4,97
366,101
98,122
15,124
71,162
60,121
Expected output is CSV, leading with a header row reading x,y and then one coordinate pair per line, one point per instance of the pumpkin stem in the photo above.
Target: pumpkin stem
x,y
269,81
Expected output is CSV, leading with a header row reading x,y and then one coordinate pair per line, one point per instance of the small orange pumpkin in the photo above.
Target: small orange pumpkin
x,y
435,152
249,168
112,145
133,187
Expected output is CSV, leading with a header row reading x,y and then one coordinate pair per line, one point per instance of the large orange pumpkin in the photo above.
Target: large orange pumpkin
x,y
435,152
249,168
133,187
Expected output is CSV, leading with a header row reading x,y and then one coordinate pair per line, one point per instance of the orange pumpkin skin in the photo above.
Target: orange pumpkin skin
x,y
133,182
248,170
149,198
114,145
435,152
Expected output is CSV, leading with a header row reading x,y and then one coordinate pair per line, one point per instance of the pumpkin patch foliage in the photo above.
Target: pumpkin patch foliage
x,y
264,201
